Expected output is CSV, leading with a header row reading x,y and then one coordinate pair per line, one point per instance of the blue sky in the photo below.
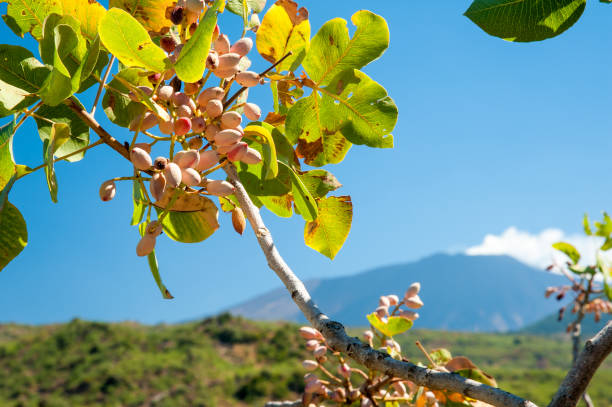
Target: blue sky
x,y
490,135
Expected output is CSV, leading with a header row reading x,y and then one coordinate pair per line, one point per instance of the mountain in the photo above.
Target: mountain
x,y
461,293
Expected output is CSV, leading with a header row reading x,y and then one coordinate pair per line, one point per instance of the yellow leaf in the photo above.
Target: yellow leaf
x,y
150,13
284,28
87,12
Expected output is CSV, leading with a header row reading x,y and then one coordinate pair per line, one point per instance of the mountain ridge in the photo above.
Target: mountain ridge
x,y
460,292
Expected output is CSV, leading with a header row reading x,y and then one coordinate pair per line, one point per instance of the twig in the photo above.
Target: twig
x,y
80,150
242,89
575,383
102,83
336,336
296,403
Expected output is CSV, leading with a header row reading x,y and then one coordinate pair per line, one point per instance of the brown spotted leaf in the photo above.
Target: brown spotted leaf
x,y
327,233
284,28
150,13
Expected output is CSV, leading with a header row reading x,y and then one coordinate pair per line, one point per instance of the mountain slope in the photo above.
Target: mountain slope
x,y
466,293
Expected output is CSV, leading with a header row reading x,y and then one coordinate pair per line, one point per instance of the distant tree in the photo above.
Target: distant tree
x,y
168,54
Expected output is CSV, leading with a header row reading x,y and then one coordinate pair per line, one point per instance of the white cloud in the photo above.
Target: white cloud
x,y
535,249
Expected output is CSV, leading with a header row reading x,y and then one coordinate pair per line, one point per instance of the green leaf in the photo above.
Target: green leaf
x,y
478,375
240,8
129,41
21,76
569,250
607,288
256,6
604,228
393,326
59,41
304,202
319,182
191,63
332,51
13,233
331,228
150,13
152,259
139,198
525,20
117,105
59,134
193,217
284,28
78,129
353,108
7,162
264,137
586,225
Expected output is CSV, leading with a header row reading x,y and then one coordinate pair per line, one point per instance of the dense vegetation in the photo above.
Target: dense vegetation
x,y
225,361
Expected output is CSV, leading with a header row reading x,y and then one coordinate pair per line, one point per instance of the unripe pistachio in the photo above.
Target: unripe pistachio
x,y
143,122
312,344
141,159
160,163
157,185
190,177
146,245
307,332
145,146
225,149
338,395
383,301
382,311
208,159
412,290
393,299
222,44
180,98
252,111
196,142
169,74
319,351
242,46
413,302
136,96
155,78
248,78
176,84
182,125
198,125
368,335
390,343
226,73
400,388
154,228
168,44
310,377
410,315
214,108
236,153
193,26
219,188
192,88
211,131
251,156
212,61
107,190
228,60
313,387
344,370
354,394
310,365
187,158
173,175
238,220
166,126
165,93
210,93
430,396
229,120
366,403
227,137
184,111
254,22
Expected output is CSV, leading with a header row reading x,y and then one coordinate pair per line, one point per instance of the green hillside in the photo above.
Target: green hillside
x,y
225,361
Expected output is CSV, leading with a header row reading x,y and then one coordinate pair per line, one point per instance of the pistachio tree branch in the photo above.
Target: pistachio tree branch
x,y
575,383
296,403
336,336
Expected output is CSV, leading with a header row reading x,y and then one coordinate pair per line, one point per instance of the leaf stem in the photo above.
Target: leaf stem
x,y
80,150
102,84
27,114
